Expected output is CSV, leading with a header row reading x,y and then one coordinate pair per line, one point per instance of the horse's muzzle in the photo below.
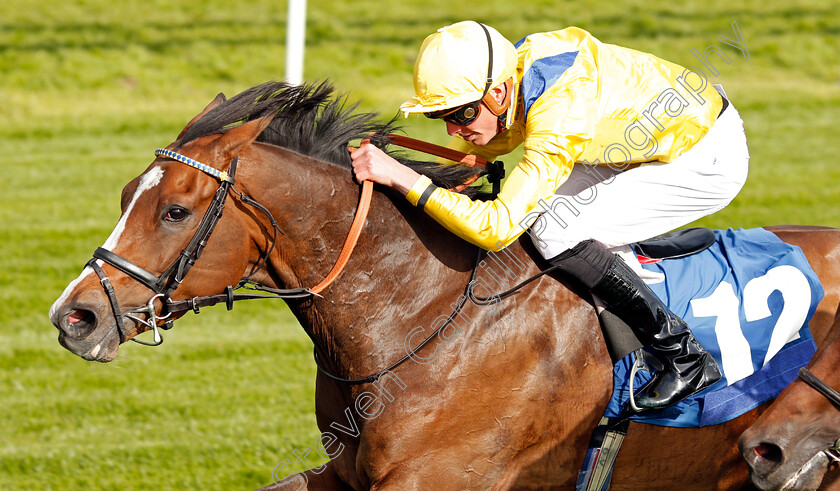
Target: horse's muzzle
x,y
82,333
779,464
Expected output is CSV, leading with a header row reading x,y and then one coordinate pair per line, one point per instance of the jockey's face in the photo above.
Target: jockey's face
x,y
486,124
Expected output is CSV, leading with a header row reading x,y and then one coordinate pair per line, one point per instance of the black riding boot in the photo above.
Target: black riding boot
x,y
688,367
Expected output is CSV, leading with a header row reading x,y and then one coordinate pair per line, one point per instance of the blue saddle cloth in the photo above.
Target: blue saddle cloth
x,y
747,299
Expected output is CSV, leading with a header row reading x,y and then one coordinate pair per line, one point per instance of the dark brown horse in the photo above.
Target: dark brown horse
x,y
504,396
796,441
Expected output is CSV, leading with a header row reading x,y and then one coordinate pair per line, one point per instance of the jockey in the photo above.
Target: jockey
x,y
619,146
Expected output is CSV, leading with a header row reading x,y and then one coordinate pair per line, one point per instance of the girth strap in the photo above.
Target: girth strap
x,y
606,440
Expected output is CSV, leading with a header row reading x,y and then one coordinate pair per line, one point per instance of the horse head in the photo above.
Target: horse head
x,y
162,212
796,440
190,228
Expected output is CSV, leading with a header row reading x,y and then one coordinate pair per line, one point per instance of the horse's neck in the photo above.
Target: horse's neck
x,y
404,268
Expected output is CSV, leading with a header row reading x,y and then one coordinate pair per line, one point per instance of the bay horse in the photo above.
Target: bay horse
x,y
449,392
796,441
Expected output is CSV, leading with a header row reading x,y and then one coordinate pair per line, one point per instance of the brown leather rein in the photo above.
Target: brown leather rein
x,y
351,240
367,192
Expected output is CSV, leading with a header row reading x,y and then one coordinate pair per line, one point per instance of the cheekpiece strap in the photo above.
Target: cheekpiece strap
x,y
218,174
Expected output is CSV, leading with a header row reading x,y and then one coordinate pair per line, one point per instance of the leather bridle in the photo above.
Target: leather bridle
x,y
165,284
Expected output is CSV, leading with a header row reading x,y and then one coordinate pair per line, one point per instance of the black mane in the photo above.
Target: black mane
x,y
310,119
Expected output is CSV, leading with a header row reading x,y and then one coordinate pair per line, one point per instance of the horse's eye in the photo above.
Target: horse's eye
x,y
175,214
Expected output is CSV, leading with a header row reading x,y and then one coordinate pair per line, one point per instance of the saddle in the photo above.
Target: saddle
x,y
759,354
680,243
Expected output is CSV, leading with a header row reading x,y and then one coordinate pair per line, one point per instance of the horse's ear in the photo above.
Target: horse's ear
x,y
218,100
235,141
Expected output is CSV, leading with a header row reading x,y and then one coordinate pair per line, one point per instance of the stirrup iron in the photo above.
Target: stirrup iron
x,y
643,361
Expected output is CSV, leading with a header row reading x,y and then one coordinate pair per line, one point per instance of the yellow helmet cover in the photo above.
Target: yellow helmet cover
x,y
451,68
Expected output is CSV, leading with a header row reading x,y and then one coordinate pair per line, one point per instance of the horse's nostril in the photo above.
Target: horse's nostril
x,y
79,323
79,315
768,452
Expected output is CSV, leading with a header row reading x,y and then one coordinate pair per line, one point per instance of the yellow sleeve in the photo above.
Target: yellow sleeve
x,y
559,126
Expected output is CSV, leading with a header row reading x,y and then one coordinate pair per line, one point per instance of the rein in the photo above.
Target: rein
x,y
495,171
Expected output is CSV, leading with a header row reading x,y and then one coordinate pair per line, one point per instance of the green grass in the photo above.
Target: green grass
x,y
89,88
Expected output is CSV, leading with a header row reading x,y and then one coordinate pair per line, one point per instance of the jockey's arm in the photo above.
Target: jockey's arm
x,y
494,224
489,224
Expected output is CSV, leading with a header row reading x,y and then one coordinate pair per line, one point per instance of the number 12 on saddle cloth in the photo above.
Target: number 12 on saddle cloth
x,y
747,299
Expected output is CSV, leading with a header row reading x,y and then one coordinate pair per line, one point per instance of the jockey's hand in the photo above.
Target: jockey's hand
x,y
372,164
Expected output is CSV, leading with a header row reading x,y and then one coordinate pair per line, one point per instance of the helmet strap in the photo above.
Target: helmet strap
x,y
487,98
489,80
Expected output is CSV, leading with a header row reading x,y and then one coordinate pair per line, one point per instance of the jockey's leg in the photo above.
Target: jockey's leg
x,y
599,206
688,367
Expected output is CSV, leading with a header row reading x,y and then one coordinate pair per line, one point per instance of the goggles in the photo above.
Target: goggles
x,y
461,115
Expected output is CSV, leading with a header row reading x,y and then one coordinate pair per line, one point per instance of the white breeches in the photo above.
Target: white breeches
x,y
620,207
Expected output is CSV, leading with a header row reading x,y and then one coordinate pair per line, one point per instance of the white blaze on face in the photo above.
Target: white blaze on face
x,y
148,181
